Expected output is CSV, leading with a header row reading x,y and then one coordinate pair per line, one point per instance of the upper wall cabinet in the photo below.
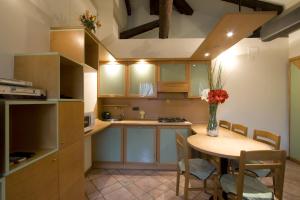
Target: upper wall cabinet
x,y
198,78
78,44
173,77
142,80
112,80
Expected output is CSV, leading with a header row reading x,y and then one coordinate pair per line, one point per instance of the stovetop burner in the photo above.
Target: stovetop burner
x,y
171,119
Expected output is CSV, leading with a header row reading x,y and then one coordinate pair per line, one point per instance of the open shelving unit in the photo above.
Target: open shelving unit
x,y
61,76
30,126
77,43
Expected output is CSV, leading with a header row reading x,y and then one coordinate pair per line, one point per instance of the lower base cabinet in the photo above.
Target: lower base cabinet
x,y
108,145
71,172
167,144
140,145
38,181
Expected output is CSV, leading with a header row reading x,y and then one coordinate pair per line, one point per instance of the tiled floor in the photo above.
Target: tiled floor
x,y
149,185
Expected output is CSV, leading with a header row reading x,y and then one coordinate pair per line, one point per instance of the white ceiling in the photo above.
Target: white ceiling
x,y
286,3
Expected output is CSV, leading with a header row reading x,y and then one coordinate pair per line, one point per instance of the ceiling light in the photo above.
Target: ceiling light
x,y
206,54
229,34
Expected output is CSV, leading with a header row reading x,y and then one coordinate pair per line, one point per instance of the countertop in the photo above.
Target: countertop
x,y
101,125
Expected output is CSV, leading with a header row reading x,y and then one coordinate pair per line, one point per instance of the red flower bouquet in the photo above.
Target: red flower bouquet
x,y
217,96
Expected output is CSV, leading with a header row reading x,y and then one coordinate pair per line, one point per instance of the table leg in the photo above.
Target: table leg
x,y
223,170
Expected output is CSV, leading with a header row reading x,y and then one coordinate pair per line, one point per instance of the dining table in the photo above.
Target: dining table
x,y
226,146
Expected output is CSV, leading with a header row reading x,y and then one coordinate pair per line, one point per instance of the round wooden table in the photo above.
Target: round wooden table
x,y
227,145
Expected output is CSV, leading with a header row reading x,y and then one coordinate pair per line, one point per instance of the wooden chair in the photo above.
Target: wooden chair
x,y
240,129
267,138
197,167
225,124
241,186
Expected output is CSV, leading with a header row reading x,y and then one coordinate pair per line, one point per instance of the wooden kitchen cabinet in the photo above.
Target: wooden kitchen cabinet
x,y
38,181
167,144
198,78
142,80
108,145
140,145
112,80
71,172
70,123
172,77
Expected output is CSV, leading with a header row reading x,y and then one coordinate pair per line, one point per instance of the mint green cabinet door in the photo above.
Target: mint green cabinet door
x,y
142,80
112,80
295,112
198,79
140,144
168,154
107,145
172,72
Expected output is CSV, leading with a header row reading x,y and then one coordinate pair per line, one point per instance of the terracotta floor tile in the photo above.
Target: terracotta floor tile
x,y
135,190
104,181
94,195
147,183
111,188
145,196
89,187
120,194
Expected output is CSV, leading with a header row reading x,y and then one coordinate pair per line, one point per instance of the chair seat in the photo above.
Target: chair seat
x,y
199,168
257,172
253,188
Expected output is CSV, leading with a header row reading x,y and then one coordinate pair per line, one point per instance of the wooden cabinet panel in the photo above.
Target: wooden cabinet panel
x,y
71,172
2,189
167,146
112,80
198,79
140,144
108,145
70,123
38,181
142,80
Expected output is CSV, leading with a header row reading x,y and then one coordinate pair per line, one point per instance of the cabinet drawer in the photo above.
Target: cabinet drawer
x,y
71,172
70,123
38,181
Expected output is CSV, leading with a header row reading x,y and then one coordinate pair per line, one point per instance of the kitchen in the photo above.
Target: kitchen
x,y
118,96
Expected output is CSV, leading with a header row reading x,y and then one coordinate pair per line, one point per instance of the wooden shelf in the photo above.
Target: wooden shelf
x,y
60,76
39,154
29,126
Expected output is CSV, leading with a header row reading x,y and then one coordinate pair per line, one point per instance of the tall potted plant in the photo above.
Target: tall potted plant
x,y
215,95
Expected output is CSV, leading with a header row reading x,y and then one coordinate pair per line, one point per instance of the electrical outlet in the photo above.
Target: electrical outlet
x,y
136,108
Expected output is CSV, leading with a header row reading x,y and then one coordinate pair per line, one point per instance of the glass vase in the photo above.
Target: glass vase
x,y
212,127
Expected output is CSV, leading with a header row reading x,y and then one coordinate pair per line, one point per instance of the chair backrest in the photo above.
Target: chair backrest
x,y
272,159
267,138
240,129
182,152
225,124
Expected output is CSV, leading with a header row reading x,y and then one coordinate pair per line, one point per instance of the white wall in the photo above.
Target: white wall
x,y
256,77
25,26
294,44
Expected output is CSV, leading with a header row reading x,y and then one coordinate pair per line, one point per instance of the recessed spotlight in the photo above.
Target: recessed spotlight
x,y
207,54
229,34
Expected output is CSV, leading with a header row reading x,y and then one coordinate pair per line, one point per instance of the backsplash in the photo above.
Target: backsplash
x,y
194,110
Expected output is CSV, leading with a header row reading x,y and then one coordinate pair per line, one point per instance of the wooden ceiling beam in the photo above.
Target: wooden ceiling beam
x,y
258,5
165,14
128,7
183,7
139,29
154,7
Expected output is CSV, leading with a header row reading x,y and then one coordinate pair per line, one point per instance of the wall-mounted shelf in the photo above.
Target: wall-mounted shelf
x,y
30,126
62,77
